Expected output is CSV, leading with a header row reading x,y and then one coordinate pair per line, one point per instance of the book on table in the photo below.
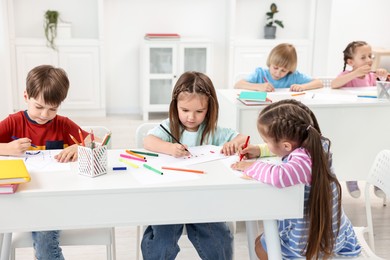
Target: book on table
x,y
13,171
8,188
254,98
162,36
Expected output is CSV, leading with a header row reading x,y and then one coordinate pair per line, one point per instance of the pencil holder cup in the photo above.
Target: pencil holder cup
x,y
92,162
383,88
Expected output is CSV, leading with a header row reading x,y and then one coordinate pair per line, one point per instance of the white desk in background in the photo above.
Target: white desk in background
x,y
358,127
67,200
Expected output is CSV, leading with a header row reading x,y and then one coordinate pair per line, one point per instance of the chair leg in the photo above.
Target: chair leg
x,y
138,243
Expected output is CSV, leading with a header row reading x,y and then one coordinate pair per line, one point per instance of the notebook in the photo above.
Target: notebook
x,y
13,171
8,188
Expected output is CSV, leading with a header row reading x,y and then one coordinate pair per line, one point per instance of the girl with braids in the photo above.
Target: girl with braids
x,y
193,115
290,132
358,56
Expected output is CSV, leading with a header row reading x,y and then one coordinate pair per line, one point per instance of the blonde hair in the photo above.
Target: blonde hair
x,y
283,55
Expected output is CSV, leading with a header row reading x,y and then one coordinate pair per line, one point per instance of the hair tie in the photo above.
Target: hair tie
x,y
308,127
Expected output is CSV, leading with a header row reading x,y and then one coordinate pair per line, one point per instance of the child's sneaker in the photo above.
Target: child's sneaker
x,y
353,189
379,193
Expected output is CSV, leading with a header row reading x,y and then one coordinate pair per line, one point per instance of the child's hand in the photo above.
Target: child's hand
x,y
229,148
178,150
69,154
362,71
241,166
297,87
267,87
19,146
250,152
381,74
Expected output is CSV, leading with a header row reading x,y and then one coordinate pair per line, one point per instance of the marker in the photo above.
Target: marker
x,y
265,79
152,169
181,169
135,154
298,94
128,163
81,137
119,168
145,153
16,138
132,157
174,138
363,96
74,139
245,146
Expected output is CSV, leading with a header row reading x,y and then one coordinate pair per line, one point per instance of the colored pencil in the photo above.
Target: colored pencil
x,y
152,169
366,96
245,146
181,169
265,79
135,154
298,94
145,153
74,139
16,138
81,137
124,168
128,163
174,138
132,157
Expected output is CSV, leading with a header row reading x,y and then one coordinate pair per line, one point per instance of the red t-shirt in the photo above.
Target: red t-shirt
x,y
52,135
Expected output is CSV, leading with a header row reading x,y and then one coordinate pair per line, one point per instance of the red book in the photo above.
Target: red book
x,y
8,188
159,36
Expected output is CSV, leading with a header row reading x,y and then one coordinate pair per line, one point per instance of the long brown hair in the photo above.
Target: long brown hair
x,y
194,83
291,122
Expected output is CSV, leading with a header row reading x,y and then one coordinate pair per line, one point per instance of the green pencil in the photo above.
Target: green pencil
x,y
152,169
145,153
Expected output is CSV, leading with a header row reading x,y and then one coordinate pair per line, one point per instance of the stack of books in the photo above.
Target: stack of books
x,y
162,36
253,98
12,173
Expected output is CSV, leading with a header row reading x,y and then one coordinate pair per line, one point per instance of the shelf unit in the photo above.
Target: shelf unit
x,y
162,63
79,55
247,47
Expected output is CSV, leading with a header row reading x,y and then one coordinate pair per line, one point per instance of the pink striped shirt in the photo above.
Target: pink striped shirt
x,y
295,169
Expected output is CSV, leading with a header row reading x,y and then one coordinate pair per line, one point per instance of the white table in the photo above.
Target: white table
x,y
66,200
358,127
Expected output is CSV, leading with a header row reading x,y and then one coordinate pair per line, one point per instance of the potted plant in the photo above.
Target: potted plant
x,y
50,25
270,28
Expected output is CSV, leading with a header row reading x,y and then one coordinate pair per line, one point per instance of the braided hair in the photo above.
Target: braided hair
x,y
350,51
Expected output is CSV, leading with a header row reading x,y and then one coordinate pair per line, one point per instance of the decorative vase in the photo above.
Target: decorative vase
x,y
269,32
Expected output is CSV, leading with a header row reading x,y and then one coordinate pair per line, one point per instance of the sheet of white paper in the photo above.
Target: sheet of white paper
x,y
44,161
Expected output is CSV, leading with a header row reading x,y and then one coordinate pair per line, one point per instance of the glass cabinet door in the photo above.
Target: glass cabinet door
x,y
161,60
160,91
195,59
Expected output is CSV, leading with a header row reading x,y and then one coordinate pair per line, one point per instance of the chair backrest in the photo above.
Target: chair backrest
x,y
378,176
99,131
141,132
326,81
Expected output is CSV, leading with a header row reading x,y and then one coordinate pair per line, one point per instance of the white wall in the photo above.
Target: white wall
x,y
5,78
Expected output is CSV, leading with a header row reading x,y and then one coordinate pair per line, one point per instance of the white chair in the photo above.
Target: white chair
x,y
82,237
140,133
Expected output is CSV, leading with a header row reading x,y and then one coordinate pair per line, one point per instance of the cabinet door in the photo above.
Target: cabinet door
x,y
194,57
82,66
28,57
161,76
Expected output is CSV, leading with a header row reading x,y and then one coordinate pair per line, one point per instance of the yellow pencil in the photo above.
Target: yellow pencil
x,y
298,94
129,163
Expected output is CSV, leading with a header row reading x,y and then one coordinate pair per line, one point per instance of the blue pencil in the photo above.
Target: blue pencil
x,y
16,138
364,96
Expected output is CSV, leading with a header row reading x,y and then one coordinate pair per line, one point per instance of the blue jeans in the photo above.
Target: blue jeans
x,y
46,245
212,241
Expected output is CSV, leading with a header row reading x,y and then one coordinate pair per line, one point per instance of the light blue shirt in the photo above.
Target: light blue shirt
x,y
221,135
260,75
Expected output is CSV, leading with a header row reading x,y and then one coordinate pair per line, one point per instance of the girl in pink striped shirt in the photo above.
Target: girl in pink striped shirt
x,y
324,231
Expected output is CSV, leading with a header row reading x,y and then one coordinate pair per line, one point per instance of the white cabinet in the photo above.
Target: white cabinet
x,y
79,55
162,63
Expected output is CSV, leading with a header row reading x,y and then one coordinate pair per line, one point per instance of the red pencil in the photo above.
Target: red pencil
x,y
265,79
81,137
245,146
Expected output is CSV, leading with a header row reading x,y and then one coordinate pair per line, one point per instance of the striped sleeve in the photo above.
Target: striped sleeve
x,y
295,170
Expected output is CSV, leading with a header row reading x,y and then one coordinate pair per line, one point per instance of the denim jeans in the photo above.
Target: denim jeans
x,y
46,245
212,241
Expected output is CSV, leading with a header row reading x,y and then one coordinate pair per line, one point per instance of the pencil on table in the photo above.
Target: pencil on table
x,y
135,154
128,163
181,169
145,153
132,157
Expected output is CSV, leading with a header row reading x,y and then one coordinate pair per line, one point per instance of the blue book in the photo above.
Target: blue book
x,y
253,96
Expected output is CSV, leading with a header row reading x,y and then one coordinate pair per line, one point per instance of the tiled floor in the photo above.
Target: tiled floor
x,y
123,128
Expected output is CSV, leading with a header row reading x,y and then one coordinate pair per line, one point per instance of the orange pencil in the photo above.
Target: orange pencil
x,y
81,137
298,94
74,139
181,169
135,154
